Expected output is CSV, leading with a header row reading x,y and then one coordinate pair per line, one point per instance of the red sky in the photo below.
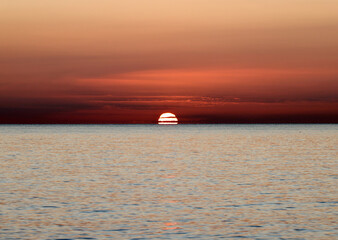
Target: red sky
x,y
106,61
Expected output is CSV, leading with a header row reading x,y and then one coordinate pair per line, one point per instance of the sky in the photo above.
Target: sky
x,y
207,61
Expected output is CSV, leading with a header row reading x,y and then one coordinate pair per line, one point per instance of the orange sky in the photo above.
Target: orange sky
x,y
223,61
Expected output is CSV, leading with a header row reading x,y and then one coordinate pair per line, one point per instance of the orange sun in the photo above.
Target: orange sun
x,y
167,118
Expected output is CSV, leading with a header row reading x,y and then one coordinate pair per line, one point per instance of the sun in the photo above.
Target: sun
x,y
167,118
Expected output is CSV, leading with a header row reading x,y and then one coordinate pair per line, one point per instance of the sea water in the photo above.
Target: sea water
x,y
168,182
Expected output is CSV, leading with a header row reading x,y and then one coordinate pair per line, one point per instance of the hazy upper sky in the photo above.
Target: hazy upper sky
x,y
110,61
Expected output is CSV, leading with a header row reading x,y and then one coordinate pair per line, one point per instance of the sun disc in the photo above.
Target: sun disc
x,y
167,118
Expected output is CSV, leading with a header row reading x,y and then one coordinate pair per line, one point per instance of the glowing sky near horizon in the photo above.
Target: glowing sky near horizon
x,y
81,61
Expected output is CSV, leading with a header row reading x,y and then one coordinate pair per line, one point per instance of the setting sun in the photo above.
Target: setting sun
x,y
167,118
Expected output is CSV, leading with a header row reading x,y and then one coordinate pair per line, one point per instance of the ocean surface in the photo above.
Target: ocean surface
x,y
168,182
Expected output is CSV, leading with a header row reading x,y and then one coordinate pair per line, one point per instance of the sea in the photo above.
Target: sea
x,y
256,181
